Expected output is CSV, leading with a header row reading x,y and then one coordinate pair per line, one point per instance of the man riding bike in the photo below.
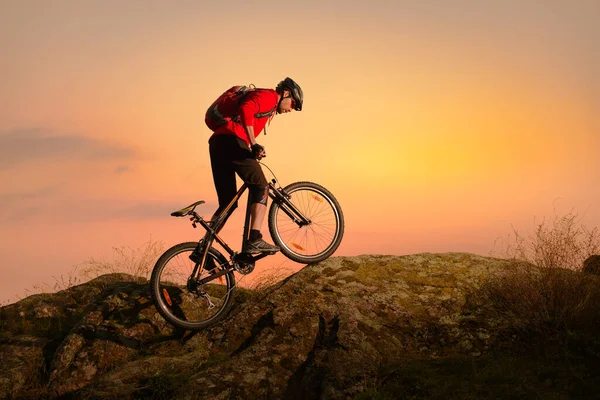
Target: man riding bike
x,y
233,149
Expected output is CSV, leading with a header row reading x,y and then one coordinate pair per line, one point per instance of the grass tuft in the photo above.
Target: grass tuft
x,y
563,243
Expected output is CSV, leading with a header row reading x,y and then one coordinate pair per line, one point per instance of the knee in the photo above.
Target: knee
x,y
259,194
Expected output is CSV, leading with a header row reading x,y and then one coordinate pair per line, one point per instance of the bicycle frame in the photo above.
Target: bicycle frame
x,y
277,195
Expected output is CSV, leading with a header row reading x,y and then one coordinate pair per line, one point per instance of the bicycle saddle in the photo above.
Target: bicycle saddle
x,y
187,210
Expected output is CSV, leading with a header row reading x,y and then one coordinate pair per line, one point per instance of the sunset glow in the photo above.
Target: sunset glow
x,y
437,126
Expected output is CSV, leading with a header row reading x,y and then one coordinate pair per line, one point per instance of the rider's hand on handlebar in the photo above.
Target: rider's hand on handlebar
x,y
258,151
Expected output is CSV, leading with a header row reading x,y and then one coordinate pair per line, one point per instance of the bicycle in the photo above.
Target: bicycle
x,y
305,220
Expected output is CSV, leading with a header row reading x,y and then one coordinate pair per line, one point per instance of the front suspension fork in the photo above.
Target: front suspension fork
x,y
281,197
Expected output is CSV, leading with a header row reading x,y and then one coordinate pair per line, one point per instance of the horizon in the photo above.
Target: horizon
x,y
438,127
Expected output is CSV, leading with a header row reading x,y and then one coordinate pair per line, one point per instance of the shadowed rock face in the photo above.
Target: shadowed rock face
x,y
592,265
322,333
57,343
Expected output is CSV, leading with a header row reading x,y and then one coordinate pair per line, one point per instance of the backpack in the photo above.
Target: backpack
x,y
225,107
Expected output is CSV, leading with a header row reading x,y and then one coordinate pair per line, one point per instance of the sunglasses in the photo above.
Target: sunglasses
x,y
293,102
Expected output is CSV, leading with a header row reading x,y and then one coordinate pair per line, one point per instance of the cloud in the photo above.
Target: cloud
x,y
8,199
121,169
20,206
106,210
140,211
26,145
95,210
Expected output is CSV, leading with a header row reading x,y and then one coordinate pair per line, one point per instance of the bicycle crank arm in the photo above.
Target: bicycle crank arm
x,y
262,255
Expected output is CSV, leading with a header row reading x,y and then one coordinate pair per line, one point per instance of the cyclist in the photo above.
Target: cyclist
x,y
233,149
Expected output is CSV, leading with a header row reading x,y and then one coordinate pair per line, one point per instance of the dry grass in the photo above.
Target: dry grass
x,y
546,296
544,302
270,277
61,282
262,283
137,262
563,243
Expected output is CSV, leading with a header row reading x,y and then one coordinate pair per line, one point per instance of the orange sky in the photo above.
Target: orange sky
x,y
436,125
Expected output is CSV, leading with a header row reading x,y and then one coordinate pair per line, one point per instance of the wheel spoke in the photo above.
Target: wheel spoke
x,y
189,306
315,241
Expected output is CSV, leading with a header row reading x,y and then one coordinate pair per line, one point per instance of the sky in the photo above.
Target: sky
x,y
439,126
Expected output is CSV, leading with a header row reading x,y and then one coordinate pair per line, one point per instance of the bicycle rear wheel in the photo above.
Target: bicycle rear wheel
x,y
182,304
319,239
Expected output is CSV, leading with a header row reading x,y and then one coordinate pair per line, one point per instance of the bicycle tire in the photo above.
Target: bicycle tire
x,y
172,299
297,252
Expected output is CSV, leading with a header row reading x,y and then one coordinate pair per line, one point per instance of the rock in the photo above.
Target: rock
x,y
65,340
323,332
592,265
22,364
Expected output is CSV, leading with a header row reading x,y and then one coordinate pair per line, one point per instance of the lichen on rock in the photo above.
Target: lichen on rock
x,y
323,332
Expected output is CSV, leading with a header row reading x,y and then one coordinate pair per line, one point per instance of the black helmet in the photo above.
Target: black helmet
x,y
295,91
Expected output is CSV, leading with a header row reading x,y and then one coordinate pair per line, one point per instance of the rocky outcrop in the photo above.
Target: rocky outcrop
x,y
591,265
58,343
324,332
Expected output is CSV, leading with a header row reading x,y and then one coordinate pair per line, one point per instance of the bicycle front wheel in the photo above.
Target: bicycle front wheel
x,y
319,239
179,300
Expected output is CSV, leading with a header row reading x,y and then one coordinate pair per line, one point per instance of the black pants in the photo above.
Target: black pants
x,y
230,155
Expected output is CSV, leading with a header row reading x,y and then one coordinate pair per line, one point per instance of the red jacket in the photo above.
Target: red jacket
x,y
256,102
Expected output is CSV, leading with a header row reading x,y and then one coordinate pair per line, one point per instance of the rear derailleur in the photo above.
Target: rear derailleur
x,y
193,287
